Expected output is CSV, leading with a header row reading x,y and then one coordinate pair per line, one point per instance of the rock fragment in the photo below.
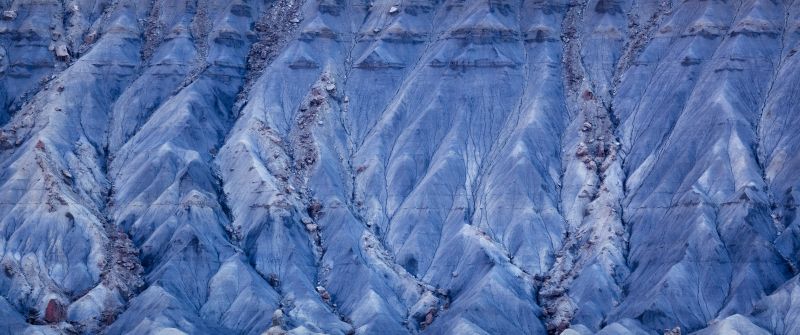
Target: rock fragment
x,y
311,227
9,15
277,324
55,312
323,293
62,54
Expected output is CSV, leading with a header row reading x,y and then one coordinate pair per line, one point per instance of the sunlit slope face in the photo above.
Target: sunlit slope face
x,y
351,167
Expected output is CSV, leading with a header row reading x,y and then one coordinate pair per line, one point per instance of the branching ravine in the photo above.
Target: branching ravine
x,y
119,241
122,269
275,28
484,156
302,155
302,152
760,155
374,241
200,28
153,31
597,233
478,193
638,38
490,158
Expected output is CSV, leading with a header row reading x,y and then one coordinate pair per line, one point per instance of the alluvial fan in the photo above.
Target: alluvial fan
x,y
399,167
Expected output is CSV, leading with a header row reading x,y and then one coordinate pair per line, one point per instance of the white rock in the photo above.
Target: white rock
x,y
9,15
62,52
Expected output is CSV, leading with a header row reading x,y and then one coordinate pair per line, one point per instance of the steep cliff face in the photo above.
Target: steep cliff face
x,y
415,166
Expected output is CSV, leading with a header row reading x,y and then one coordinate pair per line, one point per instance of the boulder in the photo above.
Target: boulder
x,y
9,15
55,312
62,54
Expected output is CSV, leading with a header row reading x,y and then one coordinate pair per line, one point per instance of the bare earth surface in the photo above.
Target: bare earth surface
x,y
399,167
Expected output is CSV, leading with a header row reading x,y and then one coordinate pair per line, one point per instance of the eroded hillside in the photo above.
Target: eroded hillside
x,y
396,167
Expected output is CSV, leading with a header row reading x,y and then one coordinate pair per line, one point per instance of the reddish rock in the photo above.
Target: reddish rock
x,y
428,318
587,95
55,312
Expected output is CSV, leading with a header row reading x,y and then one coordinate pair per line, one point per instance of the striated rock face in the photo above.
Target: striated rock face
x,y
399,167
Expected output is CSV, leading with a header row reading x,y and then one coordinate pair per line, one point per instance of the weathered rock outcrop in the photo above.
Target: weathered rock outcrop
x,y
417,166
